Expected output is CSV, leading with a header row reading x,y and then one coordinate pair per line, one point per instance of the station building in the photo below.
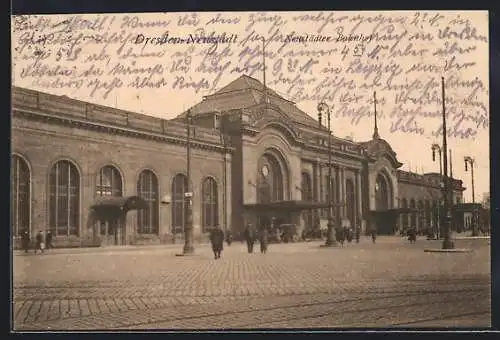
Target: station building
x,y
254,156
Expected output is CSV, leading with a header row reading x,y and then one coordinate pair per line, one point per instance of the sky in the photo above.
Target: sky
x,y
340,58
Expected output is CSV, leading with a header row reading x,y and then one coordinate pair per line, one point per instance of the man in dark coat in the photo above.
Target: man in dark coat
x,y
26,241
249,237
229,237
48,240
39,242
339,235
412,234
373,232
358,233
348,234
217,240
264,240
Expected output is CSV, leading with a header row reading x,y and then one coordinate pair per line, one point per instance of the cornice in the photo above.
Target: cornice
x,y
118,130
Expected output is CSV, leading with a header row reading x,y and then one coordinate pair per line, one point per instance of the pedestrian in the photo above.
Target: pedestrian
x,y
48,240
217,240
350,235
412,235
264,240
39,245
358,233
373,233
340,235
26,241
229,237
249,237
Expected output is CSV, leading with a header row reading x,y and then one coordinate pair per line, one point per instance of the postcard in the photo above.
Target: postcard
x,y
250,170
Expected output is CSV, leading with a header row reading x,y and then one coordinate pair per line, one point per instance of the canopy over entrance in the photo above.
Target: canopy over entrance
x,y
110,207
285,206
385,221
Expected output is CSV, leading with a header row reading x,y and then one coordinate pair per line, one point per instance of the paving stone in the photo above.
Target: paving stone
x,y
294,285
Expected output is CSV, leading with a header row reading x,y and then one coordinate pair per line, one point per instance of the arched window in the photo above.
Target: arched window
x,y
306,187
20,196
404,215
270,185
147,188
210,206
350,201
427,214
381,193
64,199
307,195
413,214
420,214
179,187
330,192
109,182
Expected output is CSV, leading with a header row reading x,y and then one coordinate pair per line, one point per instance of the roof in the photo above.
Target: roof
x,y
246,92
379,147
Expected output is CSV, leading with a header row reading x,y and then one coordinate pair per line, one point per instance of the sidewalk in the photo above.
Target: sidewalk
x,y
472,237
103,249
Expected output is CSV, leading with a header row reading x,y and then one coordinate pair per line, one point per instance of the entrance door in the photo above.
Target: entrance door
x,y
111,233
263,220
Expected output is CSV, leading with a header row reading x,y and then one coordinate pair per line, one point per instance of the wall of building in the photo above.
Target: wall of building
x,y
382,166
43,143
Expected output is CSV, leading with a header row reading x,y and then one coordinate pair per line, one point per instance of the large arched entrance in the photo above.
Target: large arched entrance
x,y
385,220
272,185
382,193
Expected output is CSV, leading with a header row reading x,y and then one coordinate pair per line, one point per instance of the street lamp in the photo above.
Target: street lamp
x,y
447,243
188,195
470,161
436,147
223,137
330,237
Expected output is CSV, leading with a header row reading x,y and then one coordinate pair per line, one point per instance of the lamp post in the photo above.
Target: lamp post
x,y
447,243
470,161
222,130
436,147
188,195
330,237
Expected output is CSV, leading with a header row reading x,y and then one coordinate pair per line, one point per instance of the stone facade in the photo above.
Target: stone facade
x,y
257,146
47,129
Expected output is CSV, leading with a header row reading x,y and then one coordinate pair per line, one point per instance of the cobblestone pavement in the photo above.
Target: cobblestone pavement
x,y
387,284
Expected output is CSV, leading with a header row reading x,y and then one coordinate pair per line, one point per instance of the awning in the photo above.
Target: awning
x,y
113,206
467,207
287,206
395,211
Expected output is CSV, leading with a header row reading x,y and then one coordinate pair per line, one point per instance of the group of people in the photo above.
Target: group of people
x,y
250,236
41,242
